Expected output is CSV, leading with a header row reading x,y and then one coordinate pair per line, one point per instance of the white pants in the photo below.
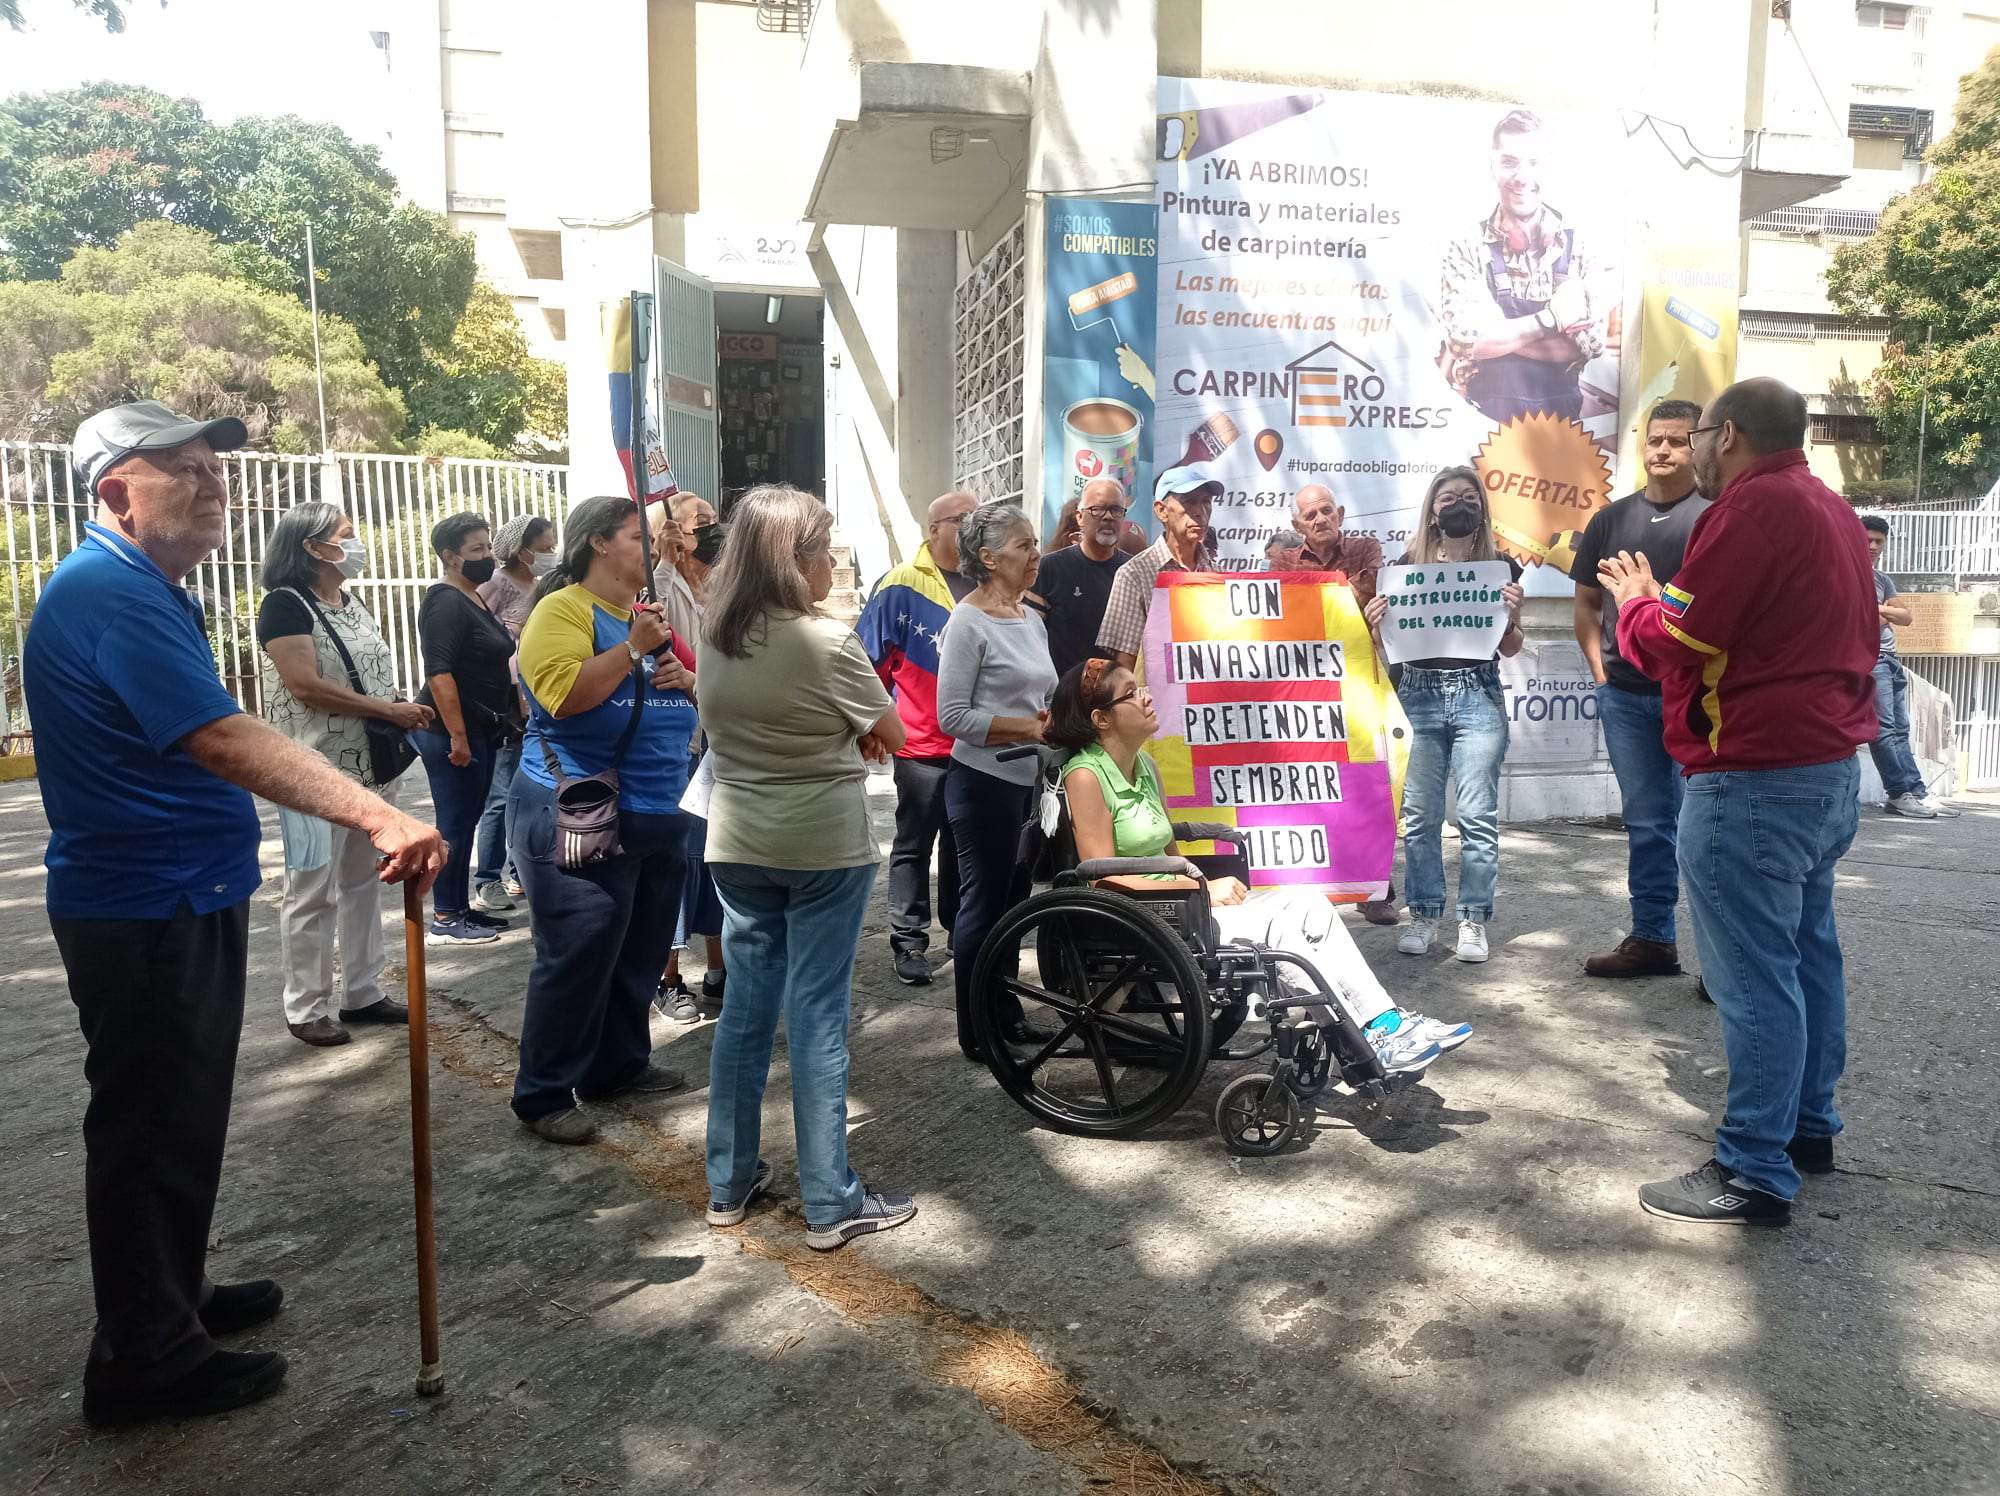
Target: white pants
x,y
342,897
1308,925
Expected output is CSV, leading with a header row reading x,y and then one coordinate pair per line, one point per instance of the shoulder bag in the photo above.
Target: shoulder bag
x,y
587,805
389,749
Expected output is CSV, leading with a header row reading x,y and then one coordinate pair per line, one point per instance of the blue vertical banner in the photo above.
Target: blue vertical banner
x,y
1097,351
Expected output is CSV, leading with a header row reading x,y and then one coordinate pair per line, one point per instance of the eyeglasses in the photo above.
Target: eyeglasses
x,y
1117,701
1102,511
1695,431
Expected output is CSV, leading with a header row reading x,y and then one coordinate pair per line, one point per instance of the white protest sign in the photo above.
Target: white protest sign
x,y
1445,610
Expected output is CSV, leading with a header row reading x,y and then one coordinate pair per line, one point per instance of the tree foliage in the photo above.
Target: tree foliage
x,y
80,166
166,314
1932,267
489,386
111,12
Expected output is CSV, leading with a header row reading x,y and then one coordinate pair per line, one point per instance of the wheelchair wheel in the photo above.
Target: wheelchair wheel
x,y
1122,1003
1257,1115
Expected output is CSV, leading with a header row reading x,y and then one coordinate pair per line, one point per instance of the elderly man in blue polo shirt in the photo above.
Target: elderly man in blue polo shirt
x,y
147,767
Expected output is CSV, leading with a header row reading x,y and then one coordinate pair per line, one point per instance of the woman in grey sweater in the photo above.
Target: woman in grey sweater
x,y
993,690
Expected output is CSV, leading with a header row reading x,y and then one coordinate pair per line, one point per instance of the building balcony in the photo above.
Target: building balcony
x,y
918,112
1797,86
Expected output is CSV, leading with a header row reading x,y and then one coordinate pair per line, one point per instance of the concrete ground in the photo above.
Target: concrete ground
x,y
1453,1293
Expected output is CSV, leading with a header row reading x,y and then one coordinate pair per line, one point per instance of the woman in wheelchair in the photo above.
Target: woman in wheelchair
x,y
1105,717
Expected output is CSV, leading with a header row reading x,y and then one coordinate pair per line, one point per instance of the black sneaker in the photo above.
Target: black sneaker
x,y
913,969
676,1002
1811,1155
235,1307
712,984
482,921
881,1210
227,1379
1705,1197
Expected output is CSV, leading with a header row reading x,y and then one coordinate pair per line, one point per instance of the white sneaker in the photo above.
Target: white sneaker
x,y
1417,939
1471,941
1918,806
1446,1036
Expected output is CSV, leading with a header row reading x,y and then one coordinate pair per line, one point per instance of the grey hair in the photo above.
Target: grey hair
x,y
286,561
987,528
772,528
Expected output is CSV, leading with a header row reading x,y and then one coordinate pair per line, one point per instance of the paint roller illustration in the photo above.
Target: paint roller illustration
x,y
1100,434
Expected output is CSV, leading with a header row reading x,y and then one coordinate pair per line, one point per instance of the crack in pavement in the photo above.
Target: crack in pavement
x,y
1009,1380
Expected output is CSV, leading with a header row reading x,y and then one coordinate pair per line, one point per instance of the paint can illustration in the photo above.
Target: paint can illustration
x,y
1100,440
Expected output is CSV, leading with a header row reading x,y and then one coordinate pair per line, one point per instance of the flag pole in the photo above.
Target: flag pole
x,y
312,301
642,358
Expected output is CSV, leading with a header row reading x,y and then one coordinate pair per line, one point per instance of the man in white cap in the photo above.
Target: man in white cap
x,y
145,763
1182,499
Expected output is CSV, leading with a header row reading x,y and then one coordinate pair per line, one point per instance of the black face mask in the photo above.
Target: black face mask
x,y
707,543
479,572
1458,520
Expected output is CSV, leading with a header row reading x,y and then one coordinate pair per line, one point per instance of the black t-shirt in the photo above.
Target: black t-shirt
x,y
462,639
1074,590
1444,663
1634,524
282,615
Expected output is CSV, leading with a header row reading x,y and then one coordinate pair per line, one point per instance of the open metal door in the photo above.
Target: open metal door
x,y
690,423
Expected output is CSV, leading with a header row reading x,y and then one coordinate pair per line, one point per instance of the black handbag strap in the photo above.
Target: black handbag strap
x,y
353,675
624,738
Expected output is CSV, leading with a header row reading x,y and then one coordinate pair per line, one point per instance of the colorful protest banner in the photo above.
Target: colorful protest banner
x,y
1444,610
1275,718
1097,351
1369,287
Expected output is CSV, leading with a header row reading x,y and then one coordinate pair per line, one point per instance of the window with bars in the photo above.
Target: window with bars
x,y
1827,429
988,355
1806,327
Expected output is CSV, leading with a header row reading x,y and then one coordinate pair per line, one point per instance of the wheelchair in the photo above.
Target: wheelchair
x,y
1143,996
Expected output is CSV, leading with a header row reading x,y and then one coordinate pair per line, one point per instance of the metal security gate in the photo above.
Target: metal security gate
x,y
392,500
1973,684
690,424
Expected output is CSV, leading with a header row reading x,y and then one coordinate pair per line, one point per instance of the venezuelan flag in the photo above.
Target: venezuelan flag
x,y
618,354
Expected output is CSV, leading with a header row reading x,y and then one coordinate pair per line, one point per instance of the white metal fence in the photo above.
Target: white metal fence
x,y
1973,684
1959,542
393,502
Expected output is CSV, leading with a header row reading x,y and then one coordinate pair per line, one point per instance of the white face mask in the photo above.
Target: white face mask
x,y
353,557
541,563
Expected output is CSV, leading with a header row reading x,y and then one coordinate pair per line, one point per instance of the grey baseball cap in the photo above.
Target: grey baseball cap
x,y
111,436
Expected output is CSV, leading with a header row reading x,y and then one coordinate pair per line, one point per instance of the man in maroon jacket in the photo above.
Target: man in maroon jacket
x,y
1762,645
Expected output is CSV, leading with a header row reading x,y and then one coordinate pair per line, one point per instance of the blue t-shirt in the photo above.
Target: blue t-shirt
x,y
118,671
568,627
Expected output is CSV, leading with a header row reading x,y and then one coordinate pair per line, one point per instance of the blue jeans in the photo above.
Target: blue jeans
x,y
1458,727
1758,850
602,935
492,855
1649,792
1891,748
458,797
788,939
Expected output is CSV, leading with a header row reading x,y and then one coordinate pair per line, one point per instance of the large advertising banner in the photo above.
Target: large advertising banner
x,y
1687,331
1276,719
1357,290
1097,352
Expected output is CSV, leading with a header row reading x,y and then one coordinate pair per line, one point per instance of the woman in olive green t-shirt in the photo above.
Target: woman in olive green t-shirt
x,y
791,706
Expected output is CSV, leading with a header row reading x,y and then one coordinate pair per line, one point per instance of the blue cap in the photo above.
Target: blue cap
x,y
1197,479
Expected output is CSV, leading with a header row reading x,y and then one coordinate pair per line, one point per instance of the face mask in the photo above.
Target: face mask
x,y
1458,520
478,572
541,563
353,557
707,543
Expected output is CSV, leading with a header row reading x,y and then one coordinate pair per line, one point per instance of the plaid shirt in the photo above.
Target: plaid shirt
x,y
1132,594
1465,299
1360,556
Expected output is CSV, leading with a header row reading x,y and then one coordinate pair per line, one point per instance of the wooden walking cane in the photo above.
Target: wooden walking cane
x,y
430,1375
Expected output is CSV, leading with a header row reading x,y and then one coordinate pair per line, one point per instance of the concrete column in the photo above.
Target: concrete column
x,y
1094,94
926,269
